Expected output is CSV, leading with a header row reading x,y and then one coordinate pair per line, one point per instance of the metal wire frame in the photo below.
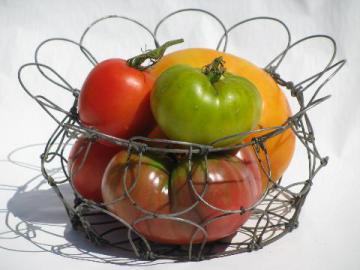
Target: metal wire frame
x,y
272,216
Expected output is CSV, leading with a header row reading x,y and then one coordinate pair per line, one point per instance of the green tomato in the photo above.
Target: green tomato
x,y
191,106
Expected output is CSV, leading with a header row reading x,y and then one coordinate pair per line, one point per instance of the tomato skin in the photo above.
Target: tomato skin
x,y
161,190
275,110
87,162
150,192
189,107
115,99
232,183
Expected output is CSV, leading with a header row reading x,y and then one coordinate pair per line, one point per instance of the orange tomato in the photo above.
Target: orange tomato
x,y
275,109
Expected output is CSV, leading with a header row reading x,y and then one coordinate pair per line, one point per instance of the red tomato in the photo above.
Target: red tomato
x,y
87,162
150,192
234,182
115,99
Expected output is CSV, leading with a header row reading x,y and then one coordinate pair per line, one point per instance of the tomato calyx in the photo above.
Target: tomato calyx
x,y
215,69
152,55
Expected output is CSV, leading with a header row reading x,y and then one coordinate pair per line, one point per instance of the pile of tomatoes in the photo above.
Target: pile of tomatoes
x,y
192,95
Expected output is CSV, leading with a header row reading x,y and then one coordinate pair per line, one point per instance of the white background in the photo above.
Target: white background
x,y
328,236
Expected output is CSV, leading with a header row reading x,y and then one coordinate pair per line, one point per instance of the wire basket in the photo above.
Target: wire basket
x,y
272,216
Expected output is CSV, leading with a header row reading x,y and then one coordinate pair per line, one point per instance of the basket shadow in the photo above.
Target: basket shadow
x,y
35,213
44,204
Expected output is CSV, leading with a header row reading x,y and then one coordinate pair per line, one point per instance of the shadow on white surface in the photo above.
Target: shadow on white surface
x,y
35,216
44,204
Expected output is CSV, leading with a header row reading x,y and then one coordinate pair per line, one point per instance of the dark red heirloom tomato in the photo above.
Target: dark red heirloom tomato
x,y
87,162
157,186
115,97
231,183
146,185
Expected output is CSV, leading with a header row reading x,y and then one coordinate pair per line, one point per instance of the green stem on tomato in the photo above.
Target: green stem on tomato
x,y
152,55
215,69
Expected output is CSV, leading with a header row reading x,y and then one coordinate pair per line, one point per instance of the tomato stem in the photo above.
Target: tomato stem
x,y
152,55
215,69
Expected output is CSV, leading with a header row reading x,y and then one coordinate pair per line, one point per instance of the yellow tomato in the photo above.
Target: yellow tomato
x,y
275,109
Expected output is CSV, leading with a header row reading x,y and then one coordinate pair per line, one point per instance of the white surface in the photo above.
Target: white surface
x,y
328,235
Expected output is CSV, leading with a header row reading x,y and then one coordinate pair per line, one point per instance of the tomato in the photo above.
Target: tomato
x,y
232,183
275,108
87,162
148,186
160,186
203,106
115,97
